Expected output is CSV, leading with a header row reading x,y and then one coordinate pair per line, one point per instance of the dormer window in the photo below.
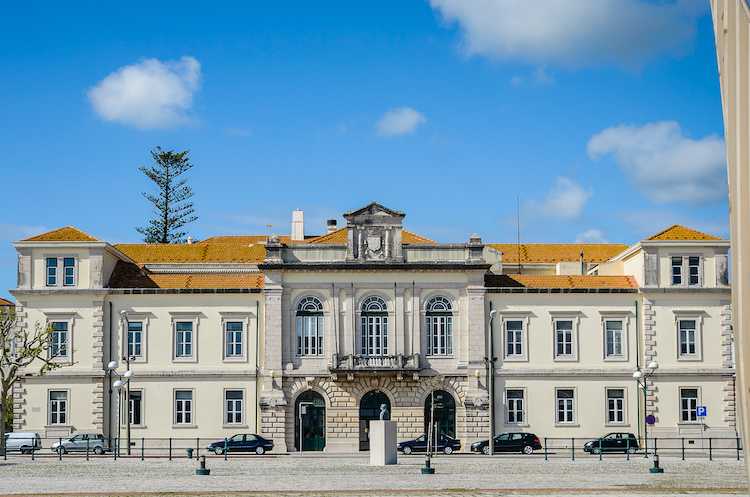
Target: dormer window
x,y
686,270
68,265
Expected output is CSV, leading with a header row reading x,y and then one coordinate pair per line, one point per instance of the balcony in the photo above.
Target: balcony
x,y
382,363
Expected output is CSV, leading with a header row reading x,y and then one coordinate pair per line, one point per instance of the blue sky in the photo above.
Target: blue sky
x,y
603,117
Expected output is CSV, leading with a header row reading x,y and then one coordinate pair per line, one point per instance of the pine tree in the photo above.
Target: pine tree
x,y
172,208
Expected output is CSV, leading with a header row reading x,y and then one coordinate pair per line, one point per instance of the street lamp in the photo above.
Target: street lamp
x,y
489,362
641,376
123,379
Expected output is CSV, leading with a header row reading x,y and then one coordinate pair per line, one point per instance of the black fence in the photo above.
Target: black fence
x,y
193,448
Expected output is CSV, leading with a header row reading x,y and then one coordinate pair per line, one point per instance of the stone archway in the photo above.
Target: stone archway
x,y
312,431
369,410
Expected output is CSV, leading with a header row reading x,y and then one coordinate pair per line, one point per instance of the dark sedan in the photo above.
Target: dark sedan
x,y
444,444
613,442
242,442
525,443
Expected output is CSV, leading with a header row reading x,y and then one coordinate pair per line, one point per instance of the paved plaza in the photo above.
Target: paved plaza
x,y
316,475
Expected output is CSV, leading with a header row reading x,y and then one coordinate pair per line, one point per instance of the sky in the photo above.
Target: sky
x,y
595,120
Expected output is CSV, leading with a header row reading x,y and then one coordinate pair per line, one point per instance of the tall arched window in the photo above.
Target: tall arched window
x,y
439,322
310,329
374,331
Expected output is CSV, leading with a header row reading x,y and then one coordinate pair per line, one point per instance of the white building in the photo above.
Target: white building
x,y
231,333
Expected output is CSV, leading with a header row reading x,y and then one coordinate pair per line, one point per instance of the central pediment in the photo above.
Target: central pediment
x,y
374,233
374,213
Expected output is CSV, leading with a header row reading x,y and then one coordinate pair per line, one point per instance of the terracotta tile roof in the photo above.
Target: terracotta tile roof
x,y
551,253
127,275
157,253
65,234
338,237
559,281
6,302
679,232
244,239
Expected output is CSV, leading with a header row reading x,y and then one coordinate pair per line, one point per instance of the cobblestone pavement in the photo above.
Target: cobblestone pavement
x,y
352,476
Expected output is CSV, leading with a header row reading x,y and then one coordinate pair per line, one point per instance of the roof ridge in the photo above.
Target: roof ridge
x,y
59,235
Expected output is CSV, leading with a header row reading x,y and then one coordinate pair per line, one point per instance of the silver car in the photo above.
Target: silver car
x,y
82,442
24,441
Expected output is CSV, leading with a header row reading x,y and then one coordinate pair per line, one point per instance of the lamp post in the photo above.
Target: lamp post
x,y
123,379
489,362
641,376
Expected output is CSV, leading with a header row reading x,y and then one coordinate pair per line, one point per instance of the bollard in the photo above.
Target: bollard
x,y
197,447
225,448
573,449
87,448
545,449
142,448
738,448
115,450
59,449
710,450
683,448
203,471
627,450
427,469
170,448
189,452
600,449
656,468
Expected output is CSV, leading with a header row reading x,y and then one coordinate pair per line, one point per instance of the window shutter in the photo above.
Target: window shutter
x,y
722,270
651,276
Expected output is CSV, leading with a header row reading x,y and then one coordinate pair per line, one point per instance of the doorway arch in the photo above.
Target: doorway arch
x,y
369,410
313,421
444,413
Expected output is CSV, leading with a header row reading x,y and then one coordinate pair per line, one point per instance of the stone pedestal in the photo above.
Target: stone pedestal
x,y
383,443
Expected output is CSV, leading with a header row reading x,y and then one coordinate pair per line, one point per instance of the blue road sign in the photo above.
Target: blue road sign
x,y
650,419
701,411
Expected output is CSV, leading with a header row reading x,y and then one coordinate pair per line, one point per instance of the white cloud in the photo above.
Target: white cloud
x,y
399,121
665,164
149,94
591,236
565,200
574,33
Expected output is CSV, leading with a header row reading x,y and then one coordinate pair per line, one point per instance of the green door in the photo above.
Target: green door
x,y
313,421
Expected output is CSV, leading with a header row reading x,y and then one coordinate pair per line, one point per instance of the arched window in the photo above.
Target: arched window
x,y
439,323
374,332
310,329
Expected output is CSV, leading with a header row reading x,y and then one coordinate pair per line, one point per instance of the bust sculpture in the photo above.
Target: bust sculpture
x,y
384,415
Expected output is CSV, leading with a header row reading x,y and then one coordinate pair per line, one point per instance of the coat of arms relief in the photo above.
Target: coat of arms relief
x,y
374,246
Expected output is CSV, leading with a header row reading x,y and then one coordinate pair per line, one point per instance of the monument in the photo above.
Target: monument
x,y
383,440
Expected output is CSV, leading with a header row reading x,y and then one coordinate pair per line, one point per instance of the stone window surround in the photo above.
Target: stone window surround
x,y
390,313
193,424
60,272
143,317
575,317
525,318
193,317
573,423
67,408
70,318
625,318
680,388
625,412
425,300
143,409
690,315
245,318
686,270
525,406
303,293
243,423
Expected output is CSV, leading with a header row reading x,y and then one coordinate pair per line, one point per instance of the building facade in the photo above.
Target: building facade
x,y
304,338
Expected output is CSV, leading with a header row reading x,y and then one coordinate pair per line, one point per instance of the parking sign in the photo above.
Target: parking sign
x,y
701,411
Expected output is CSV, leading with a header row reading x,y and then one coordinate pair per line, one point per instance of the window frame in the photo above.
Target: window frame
x,y
300,319
433,317
242,412
625,421
383,321
66,412
70,319
525,319
698,401
625,319
524,406
192,423
574,407
574,318
697,316
183,318
60,271
135,317
685,270
142,413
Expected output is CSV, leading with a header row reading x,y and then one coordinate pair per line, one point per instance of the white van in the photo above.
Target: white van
x,y
24,441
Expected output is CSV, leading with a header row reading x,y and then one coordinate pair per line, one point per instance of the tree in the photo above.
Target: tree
x,y
21,351
172,208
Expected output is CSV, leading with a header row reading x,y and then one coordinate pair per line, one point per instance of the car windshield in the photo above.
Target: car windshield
x,y
611,436
421,438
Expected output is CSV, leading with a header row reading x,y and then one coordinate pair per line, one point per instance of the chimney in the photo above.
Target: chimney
x,y
298,225
331,226
189,240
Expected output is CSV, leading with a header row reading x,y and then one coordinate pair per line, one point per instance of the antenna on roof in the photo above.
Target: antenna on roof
x,y
268,228
518,234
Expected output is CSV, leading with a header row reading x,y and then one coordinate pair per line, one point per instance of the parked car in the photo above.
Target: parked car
x,y
525,443
612,442
242,442
82,442
25,442
444,444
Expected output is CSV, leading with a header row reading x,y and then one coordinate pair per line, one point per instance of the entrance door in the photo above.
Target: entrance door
x,y
369,410
444,414
313,421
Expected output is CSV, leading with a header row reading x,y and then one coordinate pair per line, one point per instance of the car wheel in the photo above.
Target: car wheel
x,y
597,451
98,451
260,451
218,450
407,450
62,450
631,450
24,450
527,449
448,450
486,450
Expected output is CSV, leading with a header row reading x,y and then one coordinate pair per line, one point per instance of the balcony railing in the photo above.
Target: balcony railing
x,y
356,362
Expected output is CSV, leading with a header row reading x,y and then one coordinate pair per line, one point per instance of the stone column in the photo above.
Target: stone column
x,y
272,401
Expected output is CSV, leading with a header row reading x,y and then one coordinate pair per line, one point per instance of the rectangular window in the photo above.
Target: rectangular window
x,y
677,270
440,335
613,334
514,338
69,271
233,331
374,335
233,401
51,271
58,407
59,339
565,398
183,407
615,405
135,410
688,404
184,339
310,332
687,334
135,339
514,400
564,338
694,268
686,270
